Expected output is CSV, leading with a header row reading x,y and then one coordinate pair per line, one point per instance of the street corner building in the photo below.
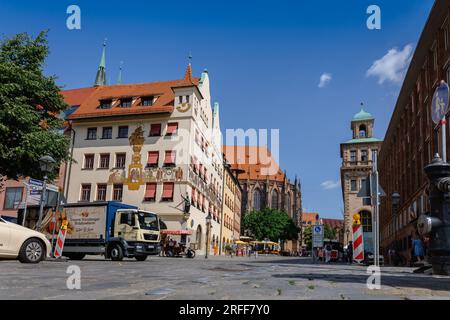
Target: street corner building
x,y
264,184
412,139
154,145
357,159
231,207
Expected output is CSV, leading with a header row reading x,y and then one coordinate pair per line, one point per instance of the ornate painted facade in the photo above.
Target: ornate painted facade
x,y
152,145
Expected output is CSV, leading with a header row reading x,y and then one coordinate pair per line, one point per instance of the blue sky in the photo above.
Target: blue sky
x,y
265,60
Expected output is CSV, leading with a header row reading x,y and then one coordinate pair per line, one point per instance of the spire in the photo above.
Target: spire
x,y
188,73
100,79
119,78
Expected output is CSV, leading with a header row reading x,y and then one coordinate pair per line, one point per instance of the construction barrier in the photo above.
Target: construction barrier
x,y
358,243
60,240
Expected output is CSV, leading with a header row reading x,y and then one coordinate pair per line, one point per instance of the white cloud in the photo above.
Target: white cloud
x,y
324,79
392,66
330,184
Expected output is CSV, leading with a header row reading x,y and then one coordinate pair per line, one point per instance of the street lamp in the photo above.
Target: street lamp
x,y
395,204
208,226
46,163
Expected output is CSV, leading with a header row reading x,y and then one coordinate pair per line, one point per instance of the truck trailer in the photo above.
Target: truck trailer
x,y
112,229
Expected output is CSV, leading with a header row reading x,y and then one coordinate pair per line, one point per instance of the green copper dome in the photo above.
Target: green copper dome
x,y
362,115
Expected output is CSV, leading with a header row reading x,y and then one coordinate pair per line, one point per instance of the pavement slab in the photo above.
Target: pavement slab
x,y
218,278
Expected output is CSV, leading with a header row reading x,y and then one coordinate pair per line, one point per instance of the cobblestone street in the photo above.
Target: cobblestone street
x,y
216,278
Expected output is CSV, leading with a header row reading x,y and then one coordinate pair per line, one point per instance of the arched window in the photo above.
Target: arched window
x,y
198,238
257,197
274,199
366,220
288,204
362,131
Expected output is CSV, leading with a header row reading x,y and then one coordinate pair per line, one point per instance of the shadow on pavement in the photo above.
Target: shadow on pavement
x,y
411,281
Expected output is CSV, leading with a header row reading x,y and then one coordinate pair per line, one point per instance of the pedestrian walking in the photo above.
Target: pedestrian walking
x,y
327,253
391,254
350,252
418,251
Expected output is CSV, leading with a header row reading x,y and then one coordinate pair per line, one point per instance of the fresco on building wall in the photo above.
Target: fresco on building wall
x,y
137,174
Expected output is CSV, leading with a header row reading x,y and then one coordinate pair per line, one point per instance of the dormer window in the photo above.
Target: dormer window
x,y
125,103
105,104
147,101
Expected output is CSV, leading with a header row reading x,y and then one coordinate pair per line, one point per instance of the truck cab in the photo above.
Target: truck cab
x,y
138,233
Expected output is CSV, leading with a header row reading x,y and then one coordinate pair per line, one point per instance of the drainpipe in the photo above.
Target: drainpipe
x,y
68,169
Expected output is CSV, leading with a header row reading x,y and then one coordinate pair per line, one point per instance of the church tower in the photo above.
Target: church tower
x,y
357,156
100,78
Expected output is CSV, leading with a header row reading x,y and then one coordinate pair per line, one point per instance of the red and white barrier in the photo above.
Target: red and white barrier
x,y
60,241
358,243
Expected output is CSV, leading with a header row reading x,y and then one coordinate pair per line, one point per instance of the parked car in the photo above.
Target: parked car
x,y
26,245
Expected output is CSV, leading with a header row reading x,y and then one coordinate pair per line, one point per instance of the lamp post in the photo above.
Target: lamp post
x,y
46,163
208,226
395,204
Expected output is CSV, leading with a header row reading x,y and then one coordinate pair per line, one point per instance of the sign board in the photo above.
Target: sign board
x,y
35,189
86,222
439,104
317,236
367,192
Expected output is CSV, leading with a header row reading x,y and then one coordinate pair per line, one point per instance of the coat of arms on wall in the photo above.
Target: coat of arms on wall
x,y
137,174
184,107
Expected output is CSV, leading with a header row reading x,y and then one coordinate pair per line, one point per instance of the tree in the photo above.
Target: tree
x,y
290,231
30,104
328,232
272,224
307,237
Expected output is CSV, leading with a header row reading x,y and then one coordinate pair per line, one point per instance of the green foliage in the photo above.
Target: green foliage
x,y
328,232
307,237
29,106
272,224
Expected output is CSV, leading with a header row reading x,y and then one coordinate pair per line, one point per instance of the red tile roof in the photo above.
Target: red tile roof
x,y
309,217
257,162
76,97
163,91
333,223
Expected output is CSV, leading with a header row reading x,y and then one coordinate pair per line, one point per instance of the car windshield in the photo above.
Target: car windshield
x,y
148,221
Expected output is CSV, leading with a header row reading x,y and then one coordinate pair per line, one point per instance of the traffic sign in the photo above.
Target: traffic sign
x,y
317,236
439,104
318,229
